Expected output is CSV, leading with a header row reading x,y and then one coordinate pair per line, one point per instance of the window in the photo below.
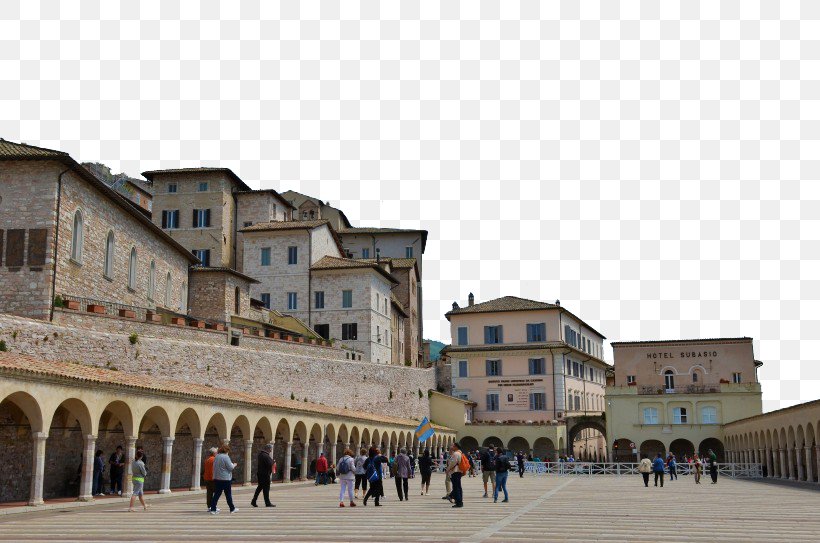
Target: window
x,y
408,252
669,380
708,415
264,256
462,368
493,334
570,336
132,269
292,300
152,280
320,299
77,238
204,255
492,402
576,369
679,415
292,255
203,186
202,218
630,379
265,299
694,377
537,366
537,332
323,330
347,298
168,290
462,335
736,378
577,403
365,253
650,415
108,265
247,224
236,301
493,368
183,297
538,401
172,187
170,219
350,331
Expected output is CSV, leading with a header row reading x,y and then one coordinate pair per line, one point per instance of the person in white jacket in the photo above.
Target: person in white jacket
x,y
346,470
645,468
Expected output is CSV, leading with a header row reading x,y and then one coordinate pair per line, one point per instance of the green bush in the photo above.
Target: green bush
x,y
420,394
292,396
58,301
133,338
3,347
390,396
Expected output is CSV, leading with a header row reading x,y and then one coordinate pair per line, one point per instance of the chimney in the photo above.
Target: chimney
x,y
558,303
470,299
455,306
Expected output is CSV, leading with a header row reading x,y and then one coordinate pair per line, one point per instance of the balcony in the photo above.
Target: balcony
x,y
687,389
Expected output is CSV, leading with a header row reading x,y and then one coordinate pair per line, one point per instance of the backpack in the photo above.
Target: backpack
x,y
345,466
464,463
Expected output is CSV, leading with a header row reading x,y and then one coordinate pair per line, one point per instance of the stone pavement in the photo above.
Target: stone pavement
x,y
542,508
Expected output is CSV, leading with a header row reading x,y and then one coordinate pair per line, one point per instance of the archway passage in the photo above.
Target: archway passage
x,y
622,450
468,443
713,444
651,448
586,438
64,449
16,437
681,448
517,444
492,441
544,448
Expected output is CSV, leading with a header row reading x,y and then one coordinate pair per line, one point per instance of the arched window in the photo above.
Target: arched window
x,y
236,301
183,297
108,266
168,290
152,280
77,238
669,379
132,269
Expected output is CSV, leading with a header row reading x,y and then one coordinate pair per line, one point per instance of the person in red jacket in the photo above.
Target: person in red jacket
x,y
321,470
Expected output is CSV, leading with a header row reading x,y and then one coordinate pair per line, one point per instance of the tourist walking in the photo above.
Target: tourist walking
x,y
426,470
713,471
321,470
487,460
402,474
361,477
347,475
223,474
116,470
138,474
673,468
264,468
97,480
208,477
502,468
645,468
520,459
296,467
657,469
697,468
457,466
373,470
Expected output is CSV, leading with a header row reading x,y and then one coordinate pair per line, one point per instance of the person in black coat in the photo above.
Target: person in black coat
x,y
264,467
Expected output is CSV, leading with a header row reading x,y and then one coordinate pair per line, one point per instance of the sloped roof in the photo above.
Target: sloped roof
x,y
219,269
397,263
277,226
376,231
682,341
505,303
82,375
335,263
397,303
204,169
501,347
268,191
21,151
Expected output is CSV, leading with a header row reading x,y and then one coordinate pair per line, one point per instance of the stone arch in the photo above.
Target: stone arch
x,y
355,439
375,438
651,447
216,431
329,443
187,429
190,418
342,440
281,437
622,450
68,425
315,437
30,407
682,447
365,438
715,445
394,442
544,448
575,430
469,443
154,425
300,446
240,433
518,443
492,441
20,418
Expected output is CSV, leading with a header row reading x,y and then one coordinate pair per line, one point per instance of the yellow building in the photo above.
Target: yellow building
x,y
676,396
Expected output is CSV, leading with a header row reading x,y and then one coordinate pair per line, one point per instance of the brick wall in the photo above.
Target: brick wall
x,y
340,383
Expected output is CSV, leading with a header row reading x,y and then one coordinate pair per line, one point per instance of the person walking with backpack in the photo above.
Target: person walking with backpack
x,y
402,474
426,470
645,468
488,469
673,468
347,476
502,468
657,469
321,470
264,468
373,469
359,471
457,466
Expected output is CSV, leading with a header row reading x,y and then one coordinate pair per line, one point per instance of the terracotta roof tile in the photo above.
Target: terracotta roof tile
x,y
19,364
506,303
235,178
9,149
285,225
336,263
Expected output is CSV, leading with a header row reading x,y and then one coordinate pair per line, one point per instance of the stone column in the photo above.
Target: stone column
x,y
304,474
783,474
167,452
798,460
196,471
38,463
416,450
767,455
247,477
817,450
87,475
288,452
128,484
809,474
790,463
334,449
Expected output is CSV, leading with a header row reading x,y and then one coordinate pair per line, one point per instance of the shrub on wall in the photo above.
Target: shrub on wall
x,y
133,338
3,347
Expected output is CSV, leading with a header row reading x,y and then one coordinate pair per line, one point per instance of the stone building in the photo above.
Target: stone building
x,y
525,362
64,233
258,206
407,272
308,208
219,294
677,395
398,318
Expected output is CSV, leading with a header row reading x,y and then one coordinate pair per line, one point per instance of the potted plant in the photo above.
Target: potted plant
x,y
96,308
128,313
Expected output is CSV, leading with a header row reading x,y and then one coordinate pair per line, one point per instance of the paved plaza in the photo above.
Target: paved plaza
x,y
542,508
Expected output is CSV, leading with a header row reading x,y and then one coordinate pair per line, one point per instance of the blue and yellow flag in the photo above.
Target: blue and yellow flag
x,y
425,430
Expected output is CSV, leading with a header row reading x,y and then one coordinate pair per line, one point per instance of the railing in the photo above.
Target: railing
x,y
731,470
688,389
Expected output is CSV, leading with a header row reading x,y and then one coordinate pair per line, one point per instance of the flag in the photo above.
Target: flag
x,y
424,431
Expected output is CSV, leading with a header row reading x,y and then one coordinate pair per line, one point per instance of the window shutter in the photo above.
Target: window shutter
x,y
532,366
15,247
501,334
207,217
207,257
37,246
1,247
486,334
193,223
499,367
164,219
487,367
532,401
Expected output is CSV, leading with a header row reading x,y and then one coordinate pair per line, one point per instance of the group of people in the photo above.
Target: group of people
x,y
659,467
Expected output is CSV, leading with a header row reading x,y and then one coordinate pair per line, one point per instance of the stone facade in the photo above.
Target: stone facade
x,y
255,207
217,294
332,382
219,238
406,292
397,323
